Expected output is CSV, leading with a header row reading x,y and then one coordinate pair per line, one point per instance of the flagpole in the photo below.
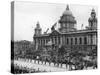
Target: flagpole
x,y
81,26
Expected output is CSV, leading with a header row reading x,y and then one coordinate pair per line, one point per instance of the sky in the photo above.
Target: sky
x,y
27,14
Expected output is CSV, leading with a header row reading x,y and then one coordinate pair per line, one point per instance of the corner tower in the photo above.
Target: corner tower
x,y
92,20
38,29
67,21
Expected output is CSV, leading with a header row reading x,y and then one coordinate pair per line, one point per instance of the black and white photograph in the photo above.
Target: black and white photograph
x,y
53,37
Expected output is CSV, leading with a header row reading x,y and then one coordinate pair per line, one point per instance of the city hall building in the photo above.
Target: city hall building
x,y
67,35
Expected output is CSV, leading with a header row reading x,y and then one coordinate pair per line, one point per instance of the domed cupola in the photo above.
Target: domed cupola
x,y
92,20
93,16
93,13
67,11
67,21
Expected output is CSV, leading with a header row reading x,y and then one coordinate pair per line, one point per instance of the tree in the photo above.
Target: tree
x,y
61,53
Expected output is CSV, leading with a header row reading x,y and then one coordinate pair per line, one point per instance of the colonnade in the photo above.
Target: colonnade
x,y
68,40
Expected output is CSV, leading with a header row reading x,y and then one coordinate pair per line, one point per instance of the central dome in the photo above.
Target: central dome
x,y
67,16
67,11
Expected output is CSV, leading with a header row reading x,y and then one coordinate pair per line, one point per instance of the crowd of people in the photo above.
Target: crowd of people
x,y
73,59
72,65
19,69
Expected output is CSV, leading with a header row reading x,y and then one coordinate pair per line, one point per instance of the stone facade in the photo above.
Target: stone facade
x,y
67,35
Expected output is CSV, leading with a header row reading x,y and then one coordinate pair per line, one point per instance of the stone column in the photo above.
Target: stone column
x,y
61,40
57,40
78,41
74,40
41,42
82,40
64,40
54,39
35,41
93,42
36,44
94,39
89,39
45,41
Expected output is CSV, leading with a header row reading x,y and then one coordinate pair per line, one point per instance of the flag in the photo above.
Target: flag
x,y
82,26
53,27
55,24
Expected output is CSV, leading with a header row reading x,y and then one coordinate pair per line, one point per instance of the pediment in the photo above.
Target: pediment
x,y
54,33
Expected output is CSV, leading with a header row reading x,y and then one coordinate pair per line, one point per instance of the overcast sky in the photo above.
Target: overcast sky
x,y
28,13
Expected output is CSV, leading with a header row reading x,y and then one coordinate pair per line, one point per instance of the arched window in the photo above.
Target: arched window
x,y
80,40
85,40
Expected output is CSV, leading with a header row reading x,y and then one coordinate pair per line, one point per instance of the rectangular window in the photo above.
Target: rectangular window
x,y
67,41
75,40
85,40
59,40
80,40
